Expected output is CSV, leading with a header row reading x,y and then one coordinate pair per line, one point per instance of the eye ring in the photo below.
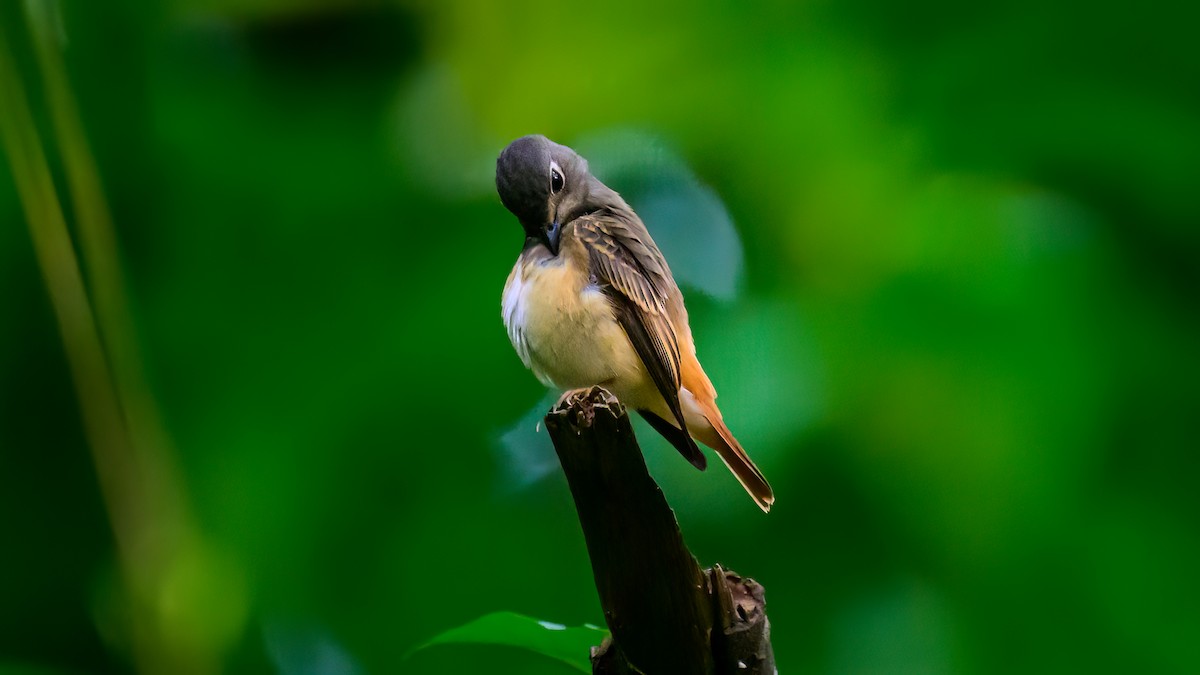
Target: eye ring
x,y
557,181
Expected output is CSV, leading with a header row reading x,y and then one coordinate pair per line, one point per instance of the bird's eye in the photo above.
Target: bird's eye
x,y
556,179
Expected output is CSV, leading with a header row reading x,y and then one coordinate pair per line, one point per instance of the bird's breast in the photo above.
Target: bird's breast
x,y
562,325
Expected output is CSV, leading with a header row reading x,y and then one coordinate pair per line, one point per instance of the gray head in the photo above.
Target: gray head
x,y
545,185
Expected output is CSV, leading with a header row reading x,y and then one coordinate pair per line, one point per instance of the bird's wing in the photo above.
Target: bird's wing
x,y
633,273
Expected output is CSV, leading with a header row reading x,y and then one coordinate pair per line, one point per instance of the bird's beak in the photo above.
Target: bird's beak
x,y
549,235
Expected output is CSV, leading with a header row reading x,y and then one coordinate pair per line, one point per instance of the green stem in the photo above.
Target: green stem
x,y
138,481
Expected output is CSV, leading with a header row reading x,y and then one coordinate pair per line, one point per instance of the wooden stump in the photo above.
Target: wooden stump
x,y
666,615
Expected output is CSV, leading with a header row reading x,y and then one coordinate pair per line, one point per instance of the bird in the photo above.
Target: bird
x,y
591,301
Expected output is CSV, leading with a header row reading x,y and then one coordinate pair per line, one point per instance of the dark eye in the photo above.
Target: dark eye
x,y
556,180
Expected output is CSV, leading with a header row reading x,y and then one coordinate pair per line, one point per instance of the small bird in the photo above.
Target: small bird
x,y
591,301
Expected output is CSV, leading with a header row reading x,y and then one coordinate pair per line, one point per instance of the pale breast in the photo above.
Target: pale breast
x,y
563,327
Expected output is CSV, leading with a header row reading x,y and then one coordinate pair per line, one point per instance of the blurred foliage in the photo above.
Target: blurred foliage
x,y
959,333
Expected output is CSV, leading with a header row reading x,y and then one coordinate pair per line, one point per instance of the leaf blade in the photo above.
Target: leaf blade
x,y
569,645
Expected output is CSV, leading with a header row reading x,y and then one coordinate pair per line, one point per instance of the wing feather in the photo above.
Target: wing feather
x,y
633,273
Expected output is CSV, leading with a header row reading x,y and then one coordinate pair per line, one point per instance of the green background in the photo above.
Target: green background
x,y
957,325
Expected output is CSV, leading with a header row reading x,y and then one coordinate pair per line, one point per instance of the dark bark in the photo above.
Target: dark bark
x,y
666,615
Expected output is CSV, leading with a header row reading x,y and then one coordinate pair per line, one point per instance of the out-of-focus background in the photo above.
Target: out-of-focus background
x,y
942,262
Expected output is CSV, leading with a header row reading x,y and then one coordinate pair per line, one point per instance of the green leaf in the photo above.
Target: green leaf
x,y
571,646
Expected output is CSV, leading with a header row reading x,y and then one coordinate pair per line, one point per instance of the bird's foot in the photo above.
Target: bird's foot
x,y
586,397
571,395
580,404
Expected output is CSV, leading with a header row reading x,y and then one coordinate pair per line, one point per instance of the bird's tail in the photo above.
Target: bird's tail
x,y
718,437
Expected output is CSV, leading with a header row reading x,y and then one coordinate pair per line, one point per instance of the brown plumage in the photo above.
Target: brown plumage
x,y
591,301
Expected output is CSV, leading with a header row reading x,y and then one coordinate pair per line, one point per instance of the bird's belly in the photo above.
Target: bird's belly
x,y
564,330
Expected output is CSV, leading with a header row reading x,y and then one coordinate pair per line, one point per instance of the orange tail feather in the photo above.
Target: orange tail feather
x,y
720,438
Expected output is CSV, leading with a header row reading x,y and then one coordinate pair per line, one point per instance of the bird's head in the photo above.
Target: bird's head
x,y
545,185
